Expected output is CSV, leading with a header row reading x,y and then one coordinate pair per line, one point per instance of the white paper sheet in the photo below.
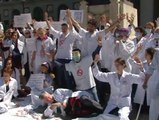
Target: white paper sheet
x,y
36,81
31,46
76,14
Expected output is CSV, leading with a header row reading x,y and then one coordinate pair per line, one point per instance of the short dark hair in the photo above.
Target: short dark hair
x,y
141,30
76,50
64,24
93,22
121,61
151,51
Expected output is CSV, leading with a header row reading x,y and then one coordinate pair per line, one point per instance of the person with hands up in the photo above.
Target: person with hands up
x,y
121,87
153,72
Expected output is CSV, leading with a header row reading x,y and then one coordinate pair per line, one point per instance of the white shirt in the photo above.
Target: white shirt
x,y
82,73
89,41
107,51
65,43
12,86
120,88
123,50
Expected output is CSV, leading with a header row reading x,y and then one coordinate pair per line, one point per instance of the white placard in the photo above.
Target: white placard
x,y
57,25
27,18
20,46
76,14
41,24
36,81
31,46
20,21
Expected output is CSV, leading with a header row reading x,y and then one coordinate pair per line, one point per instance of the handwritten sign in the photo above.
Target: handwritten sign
x,y
31,46
20,21
57,25
41,24
76,14
36,81
27,18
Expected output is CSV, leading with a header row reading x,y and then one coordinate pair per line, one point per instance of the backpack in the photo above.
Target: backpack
x,y
81,107
16,57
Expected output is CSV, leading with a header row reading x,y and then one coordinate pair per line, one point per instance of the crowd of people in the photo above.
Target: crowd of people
x,y
82,67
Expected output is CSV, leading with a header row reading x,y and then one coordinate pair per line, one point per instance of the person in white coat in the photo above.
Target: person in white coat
x,y
154,72
45,49
154,42
121,87
138,66
123,47
7,85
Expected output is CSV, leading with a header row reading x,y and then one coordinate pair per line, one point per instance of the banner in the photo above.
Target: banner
x,y
76,14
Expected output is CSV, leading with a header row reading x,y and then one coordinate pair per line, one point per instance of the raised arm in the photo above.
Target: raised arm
x,y
103,77
116,23
74,22
52,30
69,21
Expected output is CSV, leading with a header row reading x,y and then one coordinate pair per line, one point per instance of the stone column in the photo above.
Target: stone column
x,y
114,9
84,7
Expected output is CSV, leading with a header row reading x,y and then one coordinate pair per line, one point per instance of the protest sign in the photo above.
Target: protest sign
x,y
76,14
36,81
30,42
41,24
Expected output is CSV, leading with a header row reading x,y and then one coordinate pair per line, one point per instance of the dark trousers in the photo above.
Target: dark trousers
x,y
103,90
62,77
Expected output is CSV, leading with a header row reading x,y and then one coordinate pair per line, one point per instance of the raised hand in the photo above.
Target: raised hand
x,y
157,22
99,40
139,48
68,13
122,17
97,58
131,18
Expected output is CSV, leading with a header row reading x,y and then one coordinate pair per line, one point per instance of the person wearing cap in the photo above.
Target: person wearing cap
x,y
123,47
48,84
45,69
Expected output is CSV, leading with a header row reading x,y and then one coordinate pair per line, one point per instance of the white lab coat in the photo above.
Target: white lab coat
x,y
40,57
154,70
140,92
12,87
107,51
123,50
120,89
